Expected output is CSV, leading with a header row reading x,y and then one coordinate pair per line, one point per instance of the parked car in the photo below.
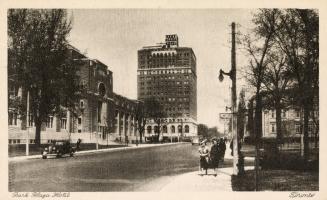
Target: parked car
x,y
196,141
58,149
186,139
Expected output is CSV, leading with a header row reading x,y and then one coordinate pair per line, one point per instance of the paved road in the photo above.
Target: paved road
x,y
132,170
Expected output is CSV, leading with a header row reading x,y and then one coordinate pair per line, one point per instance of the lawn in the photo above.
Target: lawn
x,y
277,180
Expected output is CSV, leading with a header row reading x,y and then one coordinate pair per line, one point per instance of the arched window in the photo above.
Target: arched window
x,y
164,129
179,128
156,130
149,129
172,128
102,89
187,129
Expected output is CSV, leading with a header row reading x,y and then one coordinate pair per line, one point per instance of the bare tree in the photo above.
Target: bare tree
x,y
257,48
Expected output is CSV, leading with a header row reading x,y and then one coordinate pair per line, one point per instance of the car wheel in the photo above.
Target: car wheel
x,y
44,157
71,154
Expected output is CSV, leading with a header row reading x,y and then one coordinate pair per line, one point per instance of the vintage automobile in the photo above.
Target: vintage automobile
x,y
58,149
196,140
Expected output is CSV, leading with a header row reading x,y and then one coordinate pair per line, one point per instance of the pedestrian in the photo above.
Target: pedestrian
x,y
78,143
215,156
222,145
204,157
126,140
231,147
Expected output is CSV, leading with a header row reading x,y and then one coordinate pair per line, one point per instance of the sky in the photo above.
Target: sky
x,y
113,36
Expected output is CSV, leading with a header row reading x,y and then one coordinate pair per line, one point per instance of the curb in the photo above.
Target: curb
x,y
21,158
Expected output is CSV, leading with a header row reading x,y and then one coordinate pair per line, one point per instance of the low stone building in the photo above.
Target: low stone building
x,y
93,121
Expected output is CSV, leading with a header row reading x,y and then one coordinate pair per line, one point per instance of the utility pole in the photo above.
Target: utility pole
x,y
96,129
234,108
232,76
27,123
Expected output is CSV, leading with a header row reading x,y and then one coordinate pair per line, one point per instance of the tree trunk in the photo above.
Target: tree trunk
x,y
141,132
158,136
258,133
258,116
278,129
279,123
305,131
38,125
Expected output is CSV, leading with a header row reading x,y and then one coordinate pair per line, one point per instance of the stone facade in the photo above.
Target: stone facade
x,y
93,121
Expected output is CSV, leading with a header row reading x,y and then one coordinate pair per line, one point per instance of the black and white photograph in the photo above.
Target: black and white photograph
x,y
162,100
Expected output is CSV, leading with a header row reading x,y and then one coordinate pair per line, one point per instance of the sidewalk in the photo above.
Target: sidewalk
x,y
131,147
193,182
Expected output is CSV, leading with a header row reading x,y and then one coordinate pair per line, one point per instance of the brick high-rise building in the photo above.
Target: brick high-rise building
x,y
167,73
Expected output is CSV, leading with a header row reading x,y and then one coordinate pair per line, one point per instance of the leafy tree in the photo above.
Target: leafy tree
x,y
298,38
153,110
38,56
277,80
203,130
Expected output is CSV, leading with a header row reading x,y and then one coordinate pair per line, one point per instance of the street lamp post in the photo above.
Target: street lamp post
x,y
232,75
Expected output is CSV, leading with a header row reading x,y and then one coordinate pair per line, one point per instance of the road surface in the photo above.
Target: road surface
x,y
143,169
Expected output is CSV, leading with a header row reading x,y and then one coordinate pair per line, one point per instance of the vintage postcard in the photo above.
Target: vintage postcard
x,y
180,98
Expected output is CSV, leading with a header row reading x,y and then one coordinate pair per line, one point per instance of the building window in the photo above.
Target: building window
x,y
149,129
164,129
63,122
81,103
49,122
31,121
172,129
273,127
297,128
272,114
297,113
100,110
187,129
283,113
180,129
12,118
79,124
156,129
101,89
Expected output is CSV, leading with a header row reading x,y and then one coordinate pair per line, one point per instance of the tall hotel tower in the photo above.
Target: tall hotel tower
x,y
167,73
